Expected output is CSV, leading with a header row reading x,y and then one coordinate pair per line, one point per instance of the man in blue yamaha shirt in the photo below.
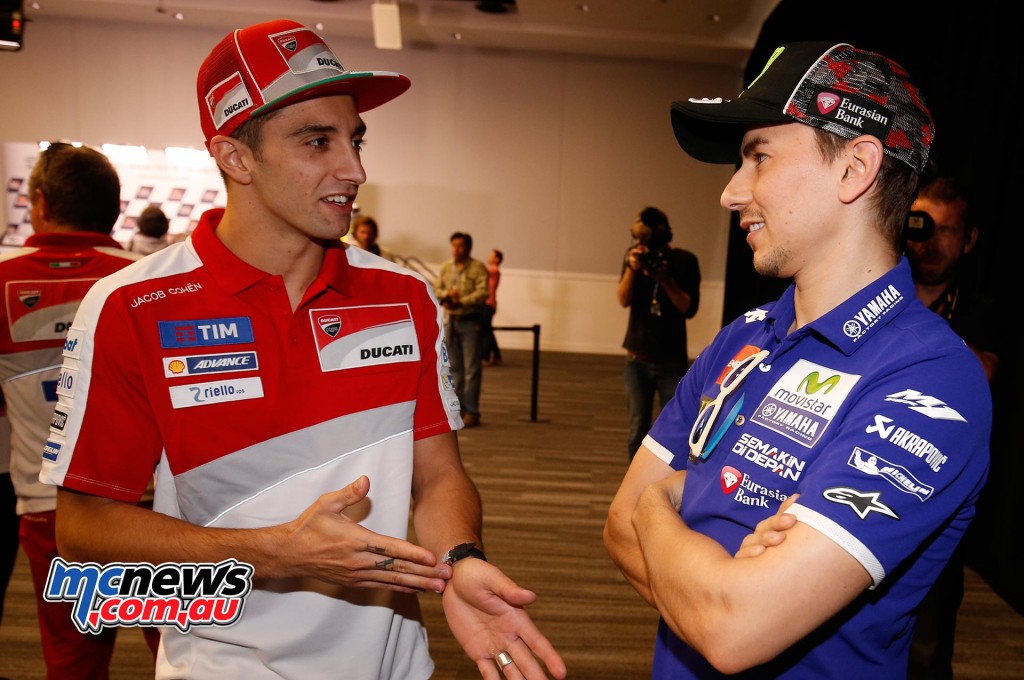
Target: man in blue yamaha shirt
x,y
822,458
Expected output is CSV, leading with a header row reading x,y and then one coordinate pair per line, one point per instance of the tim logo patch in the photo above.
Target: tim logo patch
x,y
352,337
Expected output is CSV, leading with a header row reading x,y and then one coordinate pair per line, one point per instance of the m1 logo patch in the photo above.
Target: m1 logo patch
x,y
205,332
353,337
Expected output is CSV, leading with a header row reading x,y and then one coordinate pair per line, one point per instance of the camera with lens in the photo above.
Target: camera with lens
x,y
654,259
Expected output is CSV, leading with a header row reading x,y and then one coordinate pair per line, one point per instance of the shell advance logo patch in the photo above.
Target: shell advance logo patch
x,y
354,337
179,367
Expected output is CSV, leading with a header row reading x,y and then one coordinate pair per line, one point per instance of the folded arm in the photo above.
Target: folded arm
x,y
739,613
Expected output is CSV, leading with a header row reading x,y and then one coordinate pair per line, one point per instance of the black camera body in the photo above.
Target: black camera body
x,y
656,258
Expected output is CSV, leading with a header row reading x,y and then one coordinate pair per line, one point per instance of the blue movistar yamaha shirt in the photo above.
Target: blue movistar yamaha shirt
x,y
879,416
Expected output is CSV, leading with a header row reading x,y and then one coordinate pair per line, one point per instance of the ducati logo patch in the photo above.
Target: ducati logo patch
x,y
288,42
370,335
29,297
330,324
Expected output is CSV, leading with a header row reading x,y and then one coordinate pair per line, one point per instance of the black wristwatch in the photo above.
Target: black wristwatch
x,y
462,551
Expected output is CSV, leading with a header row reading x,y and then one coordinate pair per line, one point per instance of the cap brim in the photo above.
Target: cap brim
x,y
369,88
711,130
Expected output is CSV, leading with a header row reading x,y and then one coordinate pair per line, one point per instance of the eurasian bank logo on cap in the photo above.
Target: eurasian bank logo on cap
x,y
856,113
227,99
826,102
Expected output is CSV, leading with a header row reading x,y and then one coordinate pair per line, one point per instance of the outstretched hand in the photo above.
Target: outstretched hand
x,y
769,532
337,549
485,611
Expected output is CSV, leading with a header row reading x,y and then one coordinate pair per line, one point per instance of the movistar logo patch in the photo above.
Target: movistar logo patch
x,y
811,385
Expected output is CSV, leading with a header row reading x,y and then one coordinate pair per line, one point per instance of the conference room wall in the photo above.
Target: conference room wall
x,y
547,157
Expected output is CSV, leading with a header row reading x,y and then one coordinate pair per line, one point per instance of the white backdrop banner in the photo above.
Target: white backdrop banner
x,y
183,185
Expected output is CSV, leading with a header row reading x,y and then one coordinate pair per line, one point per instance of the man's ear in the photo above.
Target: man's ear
x,y
860,166
972,239
233,158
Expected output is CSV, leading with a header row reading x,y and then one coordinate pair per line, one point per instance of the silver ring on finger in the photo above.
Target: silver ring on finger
x,y
503,659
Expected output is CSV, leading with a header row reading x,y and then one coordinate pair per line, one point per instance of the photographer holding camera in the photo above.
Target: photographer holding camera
x,y
660,285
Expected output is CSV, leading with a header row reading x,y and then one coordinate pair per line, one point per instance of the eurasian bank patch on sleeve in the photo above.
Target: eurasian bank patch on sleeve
x,y
352,337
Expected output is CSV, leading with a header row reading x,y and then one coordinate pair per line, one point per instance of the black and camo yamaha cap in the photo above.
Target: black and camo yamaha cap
x,y
838,88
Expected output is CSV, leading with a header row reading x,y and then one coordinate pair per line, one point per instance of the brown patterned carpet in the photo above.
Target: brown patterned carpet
x,y
546,485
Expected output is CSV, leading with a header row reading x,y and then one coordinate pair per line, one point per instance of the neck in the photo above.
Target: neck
x,y
821,289
929,293
293,256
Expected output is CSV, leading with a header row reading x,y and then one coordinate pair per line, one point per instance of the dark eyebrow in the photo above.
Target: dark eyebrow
x,y
749,147
327,129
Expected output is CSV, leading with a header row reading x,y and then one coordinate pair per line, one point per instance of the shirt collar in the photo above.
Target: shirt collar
x,y
81,239
235,275
851,324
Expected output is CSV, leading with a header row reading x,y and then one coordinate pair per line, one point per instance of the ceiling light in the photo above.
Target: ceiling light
x,y
387,25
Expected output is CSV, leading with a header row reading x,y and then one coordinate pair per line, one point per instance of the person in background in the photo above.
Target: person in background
x,y
937,264
74,195
491,351
660,285
824,455
461,289
364,234
8,509
326,431
152,235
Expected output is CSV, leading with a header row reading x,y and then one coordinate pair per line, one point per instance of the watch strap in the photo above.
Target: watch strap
x,y
462,551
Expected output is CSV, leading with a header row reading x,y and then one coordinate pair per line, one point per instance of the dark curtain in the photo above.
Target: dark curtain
x,y
966,60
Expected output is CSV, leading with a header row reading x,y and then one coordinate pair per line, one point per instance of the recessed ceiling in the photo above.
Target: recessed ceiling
x,y
702,31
